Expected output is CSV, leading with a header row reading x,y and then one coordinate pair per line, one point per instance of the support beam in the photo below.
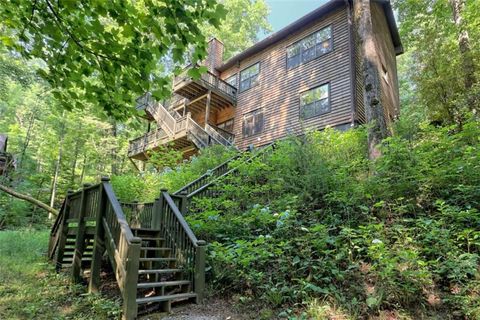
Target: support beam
x,y
207,110
199,98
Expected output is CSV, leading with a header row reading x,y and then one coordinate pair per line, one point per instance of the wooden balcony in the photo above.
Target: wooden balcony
x,y
196,91
152,141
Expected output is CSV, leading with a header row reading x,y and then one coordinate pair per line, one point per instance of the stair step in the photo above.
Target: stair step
x,y
180,296
156,248
83,259
162,284
160,271
152,239
157,259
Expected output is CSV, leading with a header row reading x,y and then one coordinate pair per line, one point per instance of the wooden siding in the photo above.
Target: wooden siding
x,y
279,90
360,116
386,53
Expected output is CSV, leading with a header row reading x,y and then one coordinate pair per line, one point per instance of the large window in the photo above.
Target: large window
x,y
253,123
309,48
315,102
232,80
249,77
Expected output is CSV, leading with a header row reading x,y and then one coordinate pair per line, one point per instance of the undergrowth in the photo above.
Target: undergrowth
x,y
315,229
30,288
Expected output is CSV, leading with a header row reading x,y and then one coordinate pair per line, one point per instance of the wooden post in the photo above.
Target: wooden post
x,y
183,202
207,111
99,242
63,233
199,277
156,214
131,279
80,240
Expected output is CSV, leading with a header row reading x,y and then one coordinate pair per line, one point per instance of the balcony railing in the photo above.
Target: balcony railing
x,y
147,142
211,81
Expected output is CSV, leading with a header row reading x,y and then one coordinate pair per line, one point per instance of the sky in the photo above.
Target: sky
x,y
284,12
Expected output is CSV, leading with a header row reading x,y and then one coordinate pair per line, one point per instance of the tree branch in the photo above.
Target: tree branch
x,y
28,198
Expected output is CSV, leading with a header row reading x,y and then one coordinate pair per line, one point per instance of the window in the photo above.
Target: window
x,y
227,125
253,123
309,48
315,102
232,80
249,77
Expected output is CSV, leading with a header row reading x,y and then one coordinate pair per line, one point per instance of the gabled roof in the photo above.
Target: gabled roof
x,y
309,18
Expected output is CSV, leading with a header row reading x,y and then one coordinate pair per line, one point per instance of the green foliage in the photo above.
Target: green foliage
x,y
107,53
315,219
167,173
436,63
30,288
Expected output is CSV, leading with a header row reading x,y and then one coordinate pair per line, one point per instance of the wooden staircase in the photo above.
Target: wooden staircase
x,y
155,264
156,258
174,129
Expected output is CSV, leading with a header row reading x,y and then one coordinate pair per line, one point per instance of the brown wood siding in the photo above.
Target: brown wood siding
x,y
386,53
360,116
278,89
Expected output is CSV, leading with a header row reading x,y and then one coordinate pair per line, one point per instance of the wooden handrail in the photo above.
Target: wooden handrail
x,y
216,171
117,209
181,220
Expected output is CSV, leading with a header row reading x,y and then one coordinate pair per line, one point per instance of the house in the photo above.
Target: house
x,y
307,75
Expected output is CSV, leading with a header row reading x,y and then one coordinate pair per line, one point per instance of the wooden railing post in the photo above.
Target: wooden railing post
x,y
99,242
200,257
156,214
183,202
63,233
80,240
131,279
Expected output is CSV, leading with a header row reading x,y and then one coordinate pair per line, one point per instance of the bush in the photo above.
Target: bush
x,y
316,220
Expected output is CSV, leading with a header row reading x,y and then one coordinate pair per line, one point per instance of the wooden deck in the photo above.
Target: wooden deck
x,y
196,91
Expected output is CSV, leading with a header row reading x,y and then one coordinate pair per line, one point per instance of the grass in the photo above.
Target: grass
x,y
31,289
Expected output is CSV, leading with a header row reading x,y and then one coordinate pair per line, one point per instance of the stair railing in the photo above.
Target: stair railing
x,y
162,116
123,249
207,177
218,136
201,187
56,231
189,251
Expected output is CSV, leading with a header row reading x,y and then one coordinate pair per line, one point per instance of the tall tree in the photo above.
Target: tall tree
x,y
374,109
438,36
245,21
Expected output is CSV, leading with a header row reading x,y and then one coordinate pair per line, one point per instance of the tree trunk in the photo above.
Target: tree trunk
x,y
114,149
74,164
467,61
27,138
58,164
374,110
30,199
463,43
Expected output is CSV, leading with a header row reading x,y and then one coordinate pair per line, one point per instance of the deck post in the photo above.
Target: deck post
x,y
183,202
63,233
207,110
80,240
98,245
199,276
131,279
156,212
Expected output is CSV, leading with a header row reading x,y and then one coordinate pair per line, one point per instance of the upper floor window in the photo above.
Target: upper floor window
x,y
232,80
252,123
315,102
227,125
310,47
249,77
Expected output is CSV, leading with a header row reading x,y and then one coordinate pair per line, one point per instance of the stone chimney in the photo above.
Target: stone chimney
x,y
215,55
